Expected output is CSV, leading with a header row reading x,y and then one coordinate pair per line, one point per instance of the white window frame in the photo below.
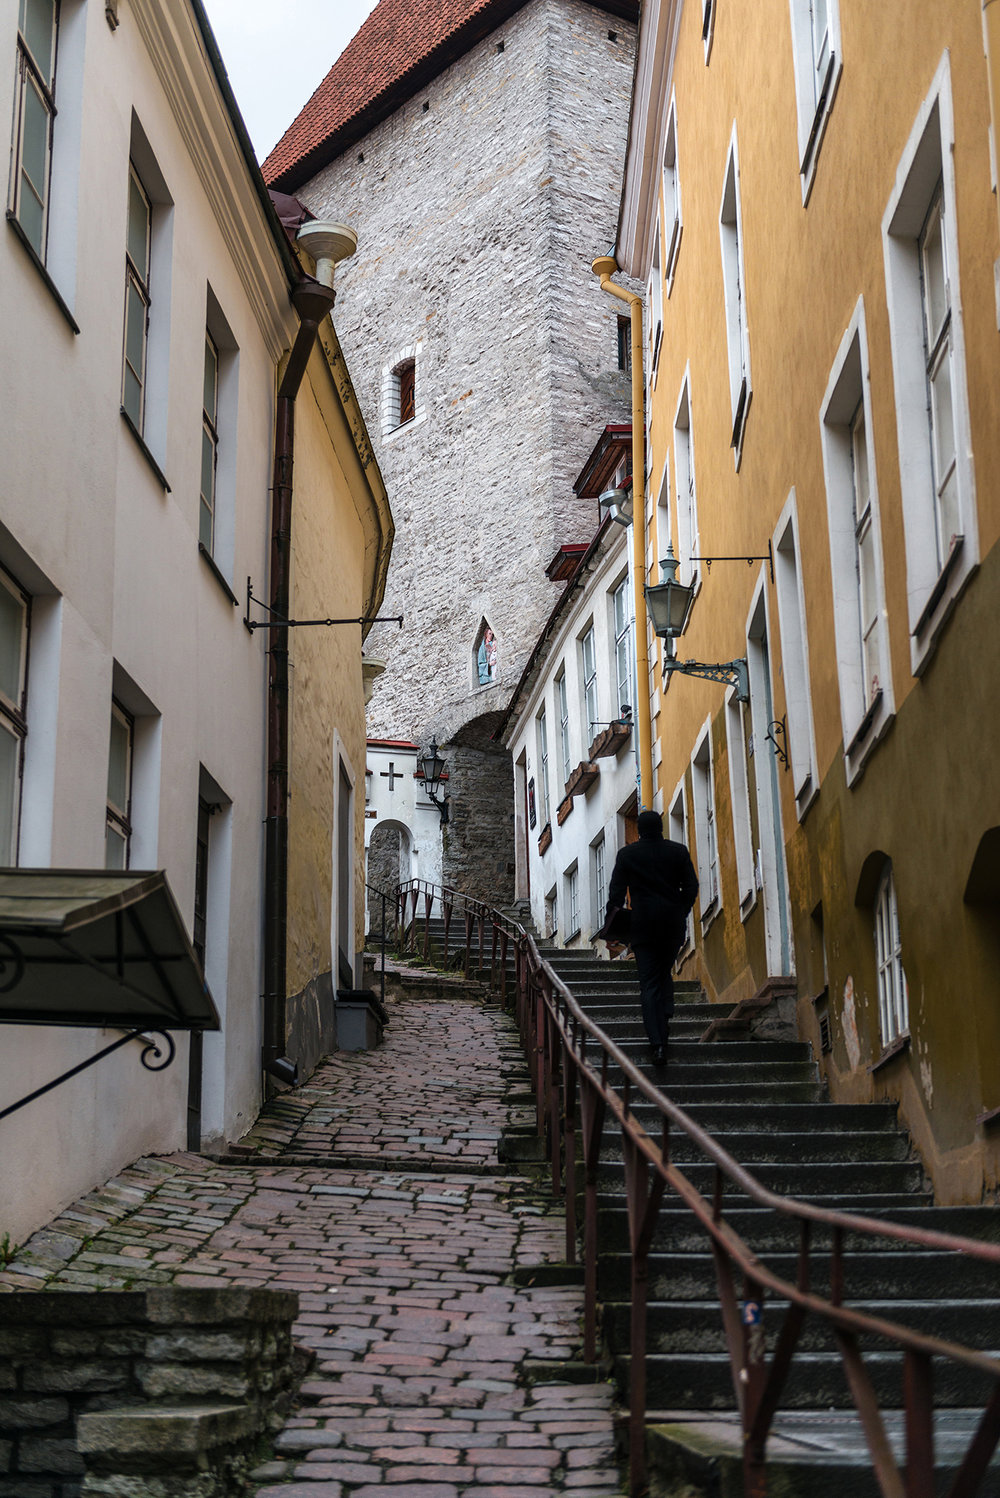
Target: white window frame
x,y
867,706
817,76
739,800
562,703
933,583
673,223
706,835
735,291
542,739
35,88
654,303
588,682
13,712
222,547
118,818
800,743
137,284
552,913
209,445
686,489
391,424
621,631
572,878
678,831
598,878
893,993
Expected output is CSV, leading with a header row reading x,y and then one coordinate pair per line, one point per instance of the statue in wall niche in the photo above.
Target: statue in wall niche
x,y
486,657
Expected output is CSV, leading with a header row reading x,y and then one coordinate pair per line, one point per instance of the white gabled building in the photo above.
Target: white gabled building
x,y
569,727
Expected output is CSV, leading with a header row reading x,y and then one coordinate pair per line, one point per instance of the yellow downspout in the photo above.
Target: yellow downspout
x,y
605,266
991,37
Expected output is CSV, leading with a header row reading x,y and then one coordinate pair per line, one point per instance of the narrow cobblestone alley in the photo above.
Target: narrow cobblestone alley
x,y
376,1193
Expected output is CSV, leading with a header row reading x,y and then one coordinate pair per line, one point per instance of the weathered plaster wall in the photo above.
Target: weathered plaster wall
x,y
327,704
930,789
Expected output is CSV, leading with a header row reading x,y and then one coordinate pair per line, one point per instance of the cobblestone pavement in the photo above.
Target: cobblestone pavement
x,y
376,1193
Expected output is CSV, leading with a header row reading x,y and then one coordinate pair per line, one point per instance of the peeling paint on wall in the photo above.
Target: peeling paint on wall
x,y
850,1023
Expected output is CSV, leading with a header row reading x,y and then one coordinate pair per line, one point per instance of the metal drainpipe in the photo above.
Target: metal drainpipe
x,y
991,40
312,302
605,267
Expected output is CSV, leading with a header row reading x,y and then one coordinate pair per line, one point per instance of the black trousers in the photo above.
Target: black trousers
x,y
654,961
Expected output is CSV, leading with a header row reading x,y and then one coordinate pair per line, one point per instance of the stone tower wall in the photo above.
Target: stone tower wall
x,y
477,220
479,206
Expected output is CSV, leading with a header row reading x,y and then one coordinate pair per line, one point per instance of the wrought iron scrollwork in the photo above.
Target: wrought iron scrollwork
x,y
155,1057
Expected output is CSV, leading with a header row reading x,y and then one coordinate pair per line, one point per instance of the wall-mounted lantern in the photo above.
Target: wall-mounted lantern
x,y
433,767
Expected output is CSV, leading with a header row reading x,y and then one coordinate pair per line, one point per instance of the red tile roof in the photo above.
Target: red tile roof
x,y
385,62
402,47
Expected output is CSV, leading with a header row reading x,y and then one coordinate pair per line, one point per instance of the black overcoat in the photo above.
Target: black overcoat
x,y
662,884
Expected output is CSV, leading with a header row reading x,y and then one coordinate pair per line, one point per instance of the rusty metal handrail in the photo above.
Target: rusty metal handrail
x,y
555,1032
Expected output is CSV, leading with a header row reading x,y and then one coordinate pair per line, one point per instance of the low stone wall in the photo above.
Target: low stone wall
x,y
158,1393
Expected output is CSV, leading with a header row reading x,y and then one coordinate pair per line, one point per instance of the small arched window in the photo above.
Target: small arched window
x,y
893,997
486,655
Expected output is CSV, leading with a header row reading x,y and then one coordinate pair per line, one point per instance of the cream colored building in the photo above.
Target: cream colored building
x,y
145,312
810,196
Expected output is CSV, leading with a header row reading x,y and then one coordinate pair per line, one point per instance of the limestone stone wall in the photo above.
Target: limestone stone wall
x,y
479,206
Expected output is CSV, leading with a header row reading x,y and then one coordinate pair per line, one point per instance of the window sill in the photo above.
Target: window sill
x,y
710,914
940,587
571,937
157,470
896,1048
821,114
39,265
216,572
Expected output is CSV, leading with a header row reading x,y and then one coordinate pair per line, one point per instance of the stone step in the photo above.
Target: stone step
x,y
765,1231
815,1181
882,1275
791,1118
696,1325
756,1147
737,1074
703,1381
820,1454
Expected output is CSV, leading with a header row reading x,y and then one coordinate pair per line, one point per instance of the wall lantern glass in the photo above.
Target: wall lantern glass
x,y
432,768
668,601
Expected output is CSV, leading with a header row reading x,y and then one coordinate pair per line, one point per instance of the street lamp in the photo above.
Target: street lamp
x,y
668,601
433,767
669,604
618,503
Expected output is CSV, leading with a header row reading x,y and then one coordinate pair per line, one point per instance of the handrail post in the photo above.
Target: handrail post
x,y
569,1158
504,943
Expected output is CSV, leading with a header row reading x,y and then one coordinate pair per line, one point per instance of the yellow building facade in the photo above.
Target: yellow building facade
x,y
810,197
341,541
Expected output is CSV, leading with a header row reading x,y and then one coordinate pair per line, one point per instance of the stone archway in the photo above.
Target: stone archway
x,y
389,863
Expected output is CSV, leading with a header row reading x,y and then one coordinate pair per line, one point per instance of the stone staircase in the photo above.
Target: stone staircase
x,y
764,1102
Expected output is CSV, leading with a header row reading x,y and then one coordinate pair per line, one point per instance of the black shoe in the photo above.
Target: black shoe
x,y
659,1055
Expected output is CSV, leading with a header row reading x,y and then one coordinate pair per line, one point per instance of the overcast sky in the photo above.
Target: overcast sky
x,y
276,55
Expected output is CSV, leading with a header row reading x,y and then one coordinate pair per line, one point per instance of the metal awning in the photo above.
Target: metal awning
x,y
97,948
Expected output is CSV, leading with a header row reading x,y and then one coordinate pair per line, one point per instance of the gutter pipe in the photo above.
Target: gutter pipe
x,y
605,266
312,302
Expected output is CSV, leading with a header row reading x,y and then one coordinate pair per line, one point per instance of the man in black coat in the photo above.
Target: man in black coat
x,y
663,886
